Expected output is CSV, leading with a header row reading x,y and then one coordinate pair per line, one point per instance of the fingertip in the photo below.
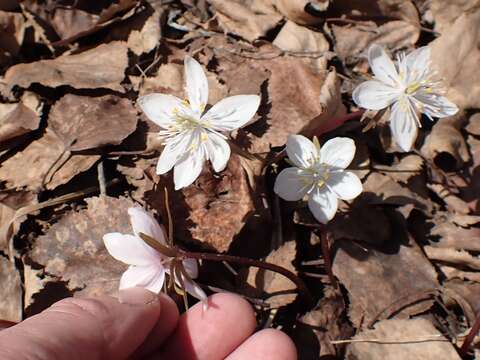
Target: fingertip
x,y
268,344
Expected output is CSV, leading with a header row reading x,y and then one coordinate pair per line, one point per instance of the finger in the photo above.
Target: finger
x,y
76,328
163,328
211,334
267,344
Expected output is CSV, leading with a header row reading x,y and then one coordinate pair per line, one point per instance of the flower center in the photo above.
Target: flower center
x,y
317,175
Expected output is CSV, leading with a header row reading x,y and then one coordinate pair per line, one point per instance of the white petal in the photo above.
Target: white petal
x,y
338,152
232,112
130,249
148,277
197,85
187,170
403,124
143,222
191,267
382,66
194,289
345,184
289,185
374,95
218,151
418,64
434,105
173,151
301,151
323,204
160,108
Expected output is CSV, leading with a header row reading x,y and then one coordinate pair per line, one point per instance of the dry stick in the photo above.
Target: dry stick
x,y
101,178
471,335
302,288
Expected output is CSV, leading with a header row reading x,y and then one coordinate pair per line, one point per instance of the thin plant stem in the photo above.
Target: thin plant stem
x,y
327,258
302,289
471,335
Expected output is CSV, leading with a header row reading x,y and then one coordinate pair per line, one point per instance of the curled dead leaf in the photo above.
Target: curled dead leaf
x,y
11,300
73,250
101,67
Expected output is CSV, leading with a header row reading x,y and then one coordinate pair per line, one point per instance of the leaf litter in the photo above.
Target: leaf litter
x,y
76,153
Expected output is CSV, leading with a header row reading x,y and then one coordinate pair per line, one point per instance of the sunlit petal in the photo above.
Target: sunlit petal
x,y
160,108
403,124
323,204
191,267
338,152
417,64
148,277
382,66
218,151
196,85
434,105
345,184
290,185
375,95
232,112
301,151
129,249
194,289
173,151
143,222
187,170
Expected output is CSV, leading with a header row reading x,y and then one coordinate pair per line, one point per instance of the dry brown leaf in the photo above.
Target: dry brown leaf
x,y
351,42
249,19
473,126
300,39
444,13
17,119
11,299
454,273
213,210
148,36
72,24
451,236
326,322
92,121
411,332
453,202
297,10
446,138
13,31
452,256
464,294
409,166
274,288
44,153
379,283
73,250
386,9
101,67
305,103
383,189
457,61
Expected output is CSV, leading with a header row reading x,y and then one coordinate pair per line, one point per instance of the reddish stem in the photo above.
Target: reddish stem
x,y
327,259
302,288
471,335
333,124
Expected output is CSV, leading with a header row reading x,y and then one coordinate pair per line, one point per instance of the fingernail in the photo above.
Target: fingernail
x,y
136,296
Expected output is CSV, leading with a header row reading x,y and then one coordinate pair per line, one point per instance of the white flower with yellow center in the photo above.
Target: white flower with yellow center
x,y
191,135
319,174
407,87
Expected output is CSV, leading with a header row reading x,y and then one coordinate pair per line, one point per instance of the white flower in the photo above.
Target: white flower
x,y
147,266
190,135
407,87
319,174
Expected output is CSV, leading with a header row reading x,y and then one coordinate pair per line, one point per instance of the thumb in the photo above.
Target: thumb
x,y
76,329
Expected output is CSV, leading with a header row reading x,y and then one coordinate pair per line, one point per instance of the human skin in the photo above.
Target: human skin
x,y
143,325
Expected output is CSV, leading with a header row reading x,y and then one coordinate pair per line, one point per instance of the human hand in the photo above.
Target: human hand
x,y
142,325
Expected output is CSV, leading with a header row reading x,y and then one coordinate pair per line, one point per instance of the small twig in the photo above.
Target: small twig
x,y
101,178
471,335
392,341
